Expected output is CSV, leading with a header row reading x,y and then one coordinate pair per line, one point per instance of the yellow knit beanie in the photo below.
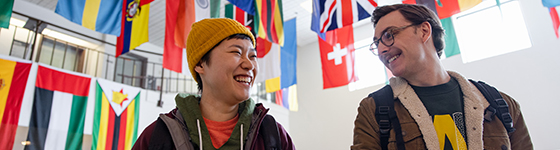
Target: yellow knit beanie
x,y
206,33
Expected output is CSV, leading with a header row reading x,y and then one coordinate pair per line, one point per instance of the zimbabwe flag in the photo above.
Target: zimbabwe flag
x,y
115,121
13,78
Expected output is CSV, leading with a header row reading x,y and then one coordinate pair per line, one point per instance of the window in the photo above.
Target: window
x,y
367,67
488,30
61,54
130,69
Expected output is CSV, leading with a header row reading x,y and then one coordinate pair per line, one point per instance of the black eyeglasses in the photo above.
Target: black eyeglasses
x,y
387,38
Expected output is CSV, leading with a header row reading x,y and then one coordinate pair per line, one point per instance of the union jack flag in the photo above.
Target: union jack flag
x,y
333,14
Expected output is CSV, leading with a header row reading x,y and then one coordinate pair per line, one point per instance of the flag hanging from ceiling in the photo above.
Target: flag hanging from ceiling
x,y
551,5
245,5
270,20
337,57
13,79
134,27
6,13
174,57
237,14
179,16
268,58
59,109
99,15
188,12
330,15
115,121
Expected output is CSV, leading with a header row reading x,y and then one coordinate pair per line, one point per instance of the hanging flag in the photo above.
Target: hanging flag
x,y
6,13
59,109
134,27
551,5
555,20
188,12
115,121
451,43
237,14
245,5
174,57
179,16
330,15
337,57
13,78
270,20
99,15
288,55
268,58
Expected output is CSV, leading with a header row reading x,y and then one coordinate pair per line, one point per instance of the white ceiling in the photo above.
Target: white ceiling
x,y
292,9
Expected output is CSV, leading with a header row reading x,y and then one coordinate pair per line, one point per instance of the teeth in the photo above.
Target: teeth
x,y
243,79
393,58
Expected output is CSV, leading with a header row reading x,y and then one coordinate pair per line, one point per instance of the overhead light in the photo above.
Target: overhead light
x,y
26,143
307,5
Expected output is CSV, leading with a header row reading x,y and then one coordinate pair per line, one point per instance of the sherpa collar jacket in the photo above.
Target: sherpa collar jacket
x,y
418,129
179,129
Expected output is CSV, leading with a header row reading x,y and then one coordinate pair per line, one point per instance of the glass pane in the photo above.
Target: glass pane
x,y
128,71
46,51
119,73
58,55
18,49
70,58
138,66
491,32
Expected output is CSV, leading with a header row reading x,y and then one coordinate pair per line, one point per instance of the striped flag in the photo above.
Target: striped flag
x,y
99,15
115,122
134,27
13,78
270,20
330,15
6,13
235,13
179,16
59,110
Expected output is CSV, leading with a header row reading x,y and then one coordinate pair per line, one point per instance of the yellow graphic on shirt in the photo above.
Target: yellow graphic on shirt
x,y
445,126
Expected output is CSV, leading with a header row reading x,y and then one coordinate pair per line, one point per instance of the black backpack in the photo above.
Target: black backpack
x,y
386,116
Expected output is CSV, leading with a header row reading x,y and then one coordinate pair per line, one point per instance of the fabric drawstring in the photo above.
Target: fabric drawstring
x,y
199,133
241,137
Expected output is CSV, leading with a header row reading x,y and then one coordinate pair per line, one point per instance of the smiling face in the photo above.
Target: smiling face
x,y
230,71
410,53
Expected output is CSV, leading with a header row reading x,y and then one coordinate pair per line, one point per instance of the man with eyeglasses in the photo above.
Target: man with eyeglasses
x,y
436,109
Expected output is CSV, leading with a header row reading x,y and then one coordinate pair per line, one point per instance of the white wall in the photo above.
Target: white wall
x,y
325,119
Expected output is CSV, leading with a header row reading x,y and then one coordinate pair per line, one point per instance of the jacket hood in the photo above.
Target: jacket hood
x,y
188,106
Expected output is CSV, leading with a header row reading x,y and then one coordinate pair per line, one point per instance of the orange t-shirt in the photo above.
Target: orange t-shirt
x,y
220,131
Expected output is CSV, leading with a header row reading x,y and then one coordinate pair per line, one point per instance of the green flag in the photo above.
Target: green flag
x,y
6,13
451,44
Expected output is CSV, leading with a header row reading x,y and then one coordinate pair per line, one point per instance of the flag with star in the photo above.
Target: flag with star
x,y
115,121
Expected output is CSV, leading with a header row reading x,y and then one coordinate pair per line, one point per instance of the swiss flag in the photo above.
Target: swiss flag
x,y
337,57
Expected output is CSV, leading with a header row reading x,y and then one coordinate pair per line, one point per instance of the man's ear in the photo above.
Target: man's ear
x,y
425,31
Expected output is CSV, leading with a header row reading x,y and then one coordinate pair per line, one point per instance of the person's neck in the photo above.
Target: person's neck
x,y
215,109
430,76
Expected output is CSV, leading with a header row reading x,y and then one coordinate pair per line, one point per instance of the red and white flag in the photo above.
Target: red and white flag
x,y
337,57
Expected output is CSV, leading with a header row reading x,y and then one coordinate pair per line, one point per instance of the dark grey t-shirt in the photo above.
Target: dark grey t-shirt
x,y
444,103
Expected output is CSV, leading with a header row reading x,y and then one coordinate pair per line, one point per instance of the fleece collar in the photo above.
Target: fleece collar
x,y
188,105
474,105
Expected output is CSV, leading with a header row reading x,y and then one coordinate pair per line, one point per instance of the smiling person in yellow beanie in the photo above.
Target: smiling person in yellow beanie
x,y
223,60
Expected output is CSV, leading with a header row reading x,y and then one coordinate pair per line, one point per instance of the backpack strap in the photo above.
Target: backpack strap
x,y
270,134
498,106
386,116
